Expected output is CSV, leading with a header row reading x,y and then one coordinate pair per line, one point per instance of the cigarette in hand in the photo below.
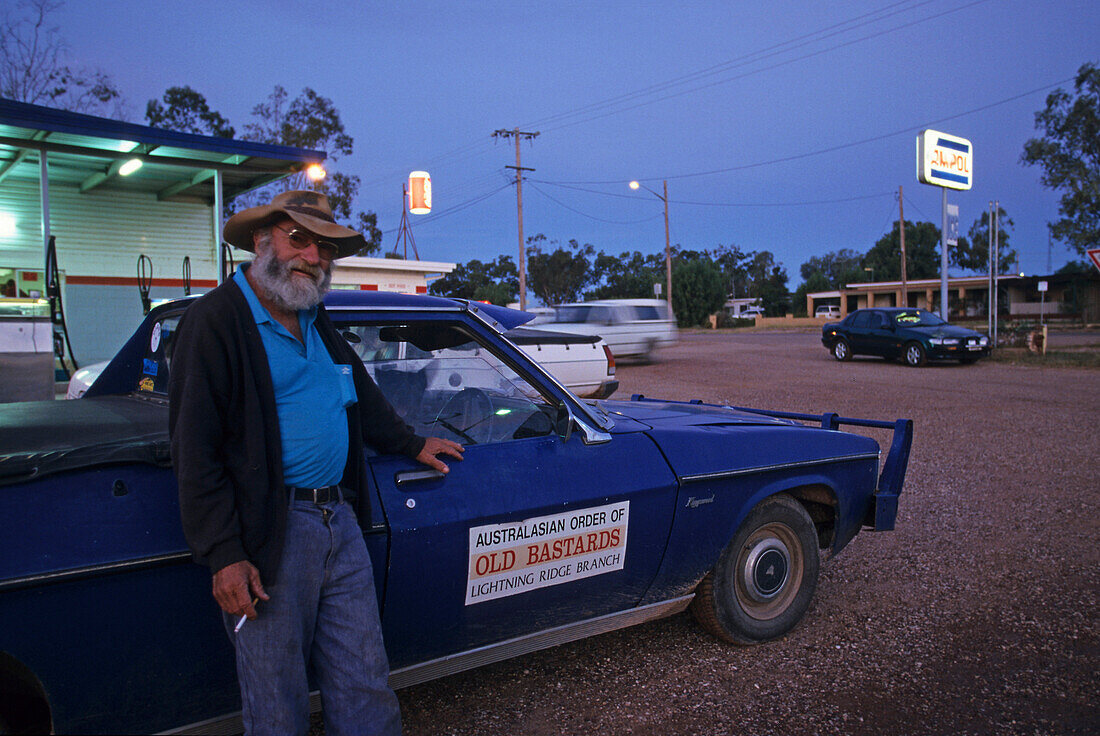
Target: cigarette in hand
x,y
240,623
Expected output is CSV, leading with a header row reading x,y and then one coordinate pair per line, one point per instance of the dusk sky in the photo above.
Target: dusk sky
x,y
782,126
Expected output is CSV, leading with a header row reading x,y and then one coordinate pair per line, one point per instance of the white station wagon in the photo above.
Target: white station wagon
x,y
630,327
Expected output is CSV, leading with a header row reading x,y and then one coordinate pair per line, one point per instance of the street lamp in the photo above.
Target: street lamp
x,y
868,268
668,251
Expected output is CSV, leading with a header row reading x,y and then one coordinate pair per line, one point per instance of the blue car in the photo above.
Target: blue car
x,y
913,335
566,519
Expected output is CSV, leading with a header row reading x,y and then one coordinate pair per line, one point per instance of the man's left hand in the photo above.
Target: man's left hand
x,y
439,446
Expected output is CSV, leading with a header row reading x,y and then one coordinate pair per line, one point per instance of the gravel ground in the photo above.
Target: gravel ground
x,y
978,615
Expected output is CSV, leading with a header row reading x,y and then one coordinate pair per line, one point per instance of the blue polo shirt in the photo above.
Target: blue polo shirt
x,y
311,395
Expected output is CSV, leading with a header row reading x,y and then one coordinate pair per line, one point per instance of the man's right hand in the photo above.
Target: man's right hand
x,y
235,586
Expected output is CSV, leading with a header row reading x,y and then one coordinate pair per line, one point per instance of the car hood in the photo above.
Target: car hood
x,y
676,414
699,440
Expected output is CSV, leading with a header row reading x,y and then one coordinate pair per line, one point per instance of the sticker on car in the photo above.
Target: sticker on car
x,y
517,557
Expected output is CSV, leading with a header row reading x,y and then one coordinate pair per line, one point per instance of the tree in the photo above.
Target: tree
x,y
311,121
768,283
837,268
973,254
187,111
698,290
33,66
628,276
922,245
816,281
496,281
734,265
560,275
1069,155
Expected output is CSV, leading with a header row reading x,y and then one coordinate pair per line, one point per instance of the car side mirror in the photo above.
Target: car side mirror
x,y
563,422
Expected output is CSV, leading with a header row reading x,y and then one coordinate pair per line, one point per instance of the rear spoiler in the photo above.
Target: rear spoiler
x,y
892,477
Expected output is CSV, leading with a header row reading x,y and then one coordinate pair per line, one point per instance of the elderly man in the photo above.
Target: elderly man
x,y
269,412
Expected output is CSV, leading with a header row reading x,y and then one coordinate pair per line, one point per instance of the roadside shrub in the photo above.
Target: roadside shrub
x,y
698,291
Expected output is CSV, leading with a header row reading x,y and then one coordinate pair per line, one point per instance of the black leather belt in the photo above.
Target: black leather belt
x,y
327,494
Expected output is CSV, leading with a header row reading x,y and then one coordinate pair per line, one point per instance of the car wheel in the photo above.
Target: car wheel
x,y
841,350
764,579
915,354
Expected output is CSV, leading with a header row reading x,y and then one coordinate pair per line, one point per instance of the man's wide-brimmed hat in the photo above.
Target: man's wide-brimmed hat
x,y
309,209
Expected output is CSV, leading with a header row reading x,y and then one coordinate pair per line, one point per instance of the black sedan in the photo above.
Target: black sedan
x,y
915,335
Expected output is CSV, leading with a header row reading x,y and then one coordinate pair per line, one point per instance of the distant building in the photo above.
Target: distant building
x,y
1068,296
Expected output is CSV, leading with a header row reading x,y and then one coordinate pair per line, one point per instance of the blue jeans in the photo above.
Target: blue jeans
x,y
322,619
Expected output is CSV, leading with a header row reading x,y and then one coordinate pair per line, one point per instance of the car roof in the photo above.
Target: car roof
x,y
616,303
340,299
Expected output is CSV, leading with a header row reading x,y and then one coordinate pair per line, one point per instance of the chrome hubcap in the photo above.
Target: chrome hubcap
x,y
766,570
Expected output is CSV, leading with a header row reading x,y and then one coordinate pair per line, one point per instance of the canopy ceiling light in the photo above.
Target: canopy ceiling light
x,y
130,167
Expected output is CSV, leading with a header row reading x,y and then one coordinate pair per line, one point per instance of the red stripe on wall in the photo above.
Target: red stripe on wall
x,y
368,287
29,275
132,281
422,290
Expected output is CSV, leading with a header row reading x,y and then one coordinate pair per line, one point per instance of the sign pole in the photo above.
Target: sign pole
x,y
945,161
996,266
944,312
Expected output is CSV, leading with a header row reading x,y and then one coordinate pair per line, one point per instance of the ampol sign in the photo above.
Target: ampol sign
x,y
944,160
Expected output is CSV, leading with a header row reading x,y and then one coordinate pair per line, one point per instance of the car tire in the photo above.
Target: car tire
x,y
841,350
764,579
915,355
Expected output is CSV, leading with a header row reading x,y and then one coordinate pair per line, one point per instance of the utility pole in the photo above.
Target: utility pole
x,y
996,264
901,228
989,248
517,134
668,253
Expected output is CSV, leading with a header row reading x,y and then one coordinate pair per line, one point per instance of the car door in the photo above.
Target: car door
x,y
531,530
858,329
881,338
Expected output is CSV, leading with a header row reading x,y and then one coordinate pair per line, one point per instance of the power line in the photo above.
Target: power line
x,y
471,150
721,204
451,210
592,217
769,68
796,42
840,147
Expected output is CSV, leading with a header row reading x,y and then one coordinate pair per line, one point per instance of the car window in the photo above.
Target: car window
x,y
601,315
572,314
917,318
461,391
861,319
646,312
158,356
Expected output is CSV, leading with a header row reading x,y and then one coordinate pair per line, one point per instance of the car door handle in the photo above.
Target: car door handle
x,y
415,476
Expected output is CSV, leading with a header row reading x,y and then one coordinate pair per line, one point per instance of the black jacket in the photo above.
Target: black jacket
x,y
224,432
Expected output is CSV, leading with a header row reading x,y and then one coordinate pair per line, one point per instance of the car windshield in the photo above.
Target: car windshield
x,y
459,391
917,318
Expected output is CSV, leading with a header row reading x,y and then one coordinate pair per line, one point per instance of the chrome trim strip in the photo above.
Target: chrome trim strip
x,y
62,576
391,308
230,723
716,475
452,664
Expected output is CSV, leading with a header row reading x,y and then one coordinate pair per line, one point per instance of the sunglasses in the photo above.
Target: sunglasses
x,y
302,239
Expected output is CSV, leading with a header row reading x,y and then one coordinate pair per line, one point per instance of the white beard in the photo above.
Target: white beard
x,y
282,287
